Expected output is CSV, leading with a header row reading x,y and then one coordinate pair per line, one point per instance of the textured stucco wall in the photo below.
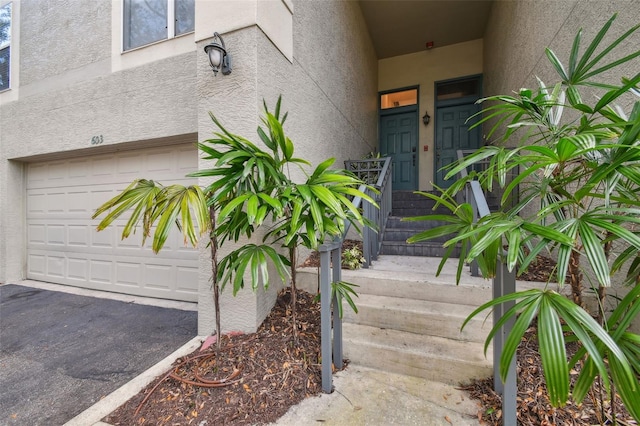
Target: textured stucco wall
x,y
13,249
59,36
67,95
332,111
334,99
83,91
232,99
330,91
518,32
423,69
152,101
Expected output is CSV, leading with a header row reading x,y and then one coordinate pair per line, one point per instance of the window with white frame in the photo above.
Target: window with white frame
x,y
149,21
5,46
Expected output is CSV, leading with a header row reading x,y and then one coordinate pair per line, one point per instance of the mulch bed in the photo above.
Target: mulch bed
x,y
533,406
261,375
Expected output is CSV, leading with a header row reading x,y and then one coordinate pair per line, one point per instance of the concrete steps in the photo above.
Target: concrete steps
x,y
409,321
394,241
429,357
416,316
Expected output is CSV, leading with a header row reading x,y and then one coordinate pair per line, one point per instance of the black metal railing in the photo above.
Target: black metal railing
x,y
503,283
376,173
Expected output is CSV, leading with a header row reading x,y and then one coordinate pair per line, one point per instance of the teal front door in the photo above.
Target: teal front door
x,y
399,140
452,134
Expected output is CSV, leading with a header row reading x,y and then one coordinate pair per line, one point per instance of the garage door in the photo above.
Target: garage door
x,y
64,246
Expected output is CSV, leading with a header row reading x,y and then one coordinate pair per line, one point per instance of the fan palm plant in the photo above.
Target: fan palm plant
x,y
251,189
577,178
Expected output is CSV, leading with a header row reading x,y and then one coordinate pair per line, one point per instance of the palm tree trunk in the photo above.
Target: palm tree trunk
x,y
294,295
214,272
602,291
575,278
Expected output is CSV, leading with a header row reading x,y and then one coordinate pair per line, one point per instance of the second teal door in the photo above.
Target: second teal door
x,y
452,134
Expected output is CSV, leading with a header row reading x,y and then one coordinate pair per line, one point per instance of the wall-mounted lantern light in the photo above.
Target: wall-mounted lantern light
x,y
219,58
426,118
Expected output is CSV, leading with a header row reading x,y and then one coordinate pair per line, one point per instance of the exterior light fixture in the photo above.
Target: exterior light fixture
x,y
426,118
219,59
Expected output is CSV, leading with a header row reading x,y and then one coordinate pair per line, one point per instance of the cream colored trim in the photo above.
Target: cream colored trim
x,y
289,5
223,16
146,54
275,18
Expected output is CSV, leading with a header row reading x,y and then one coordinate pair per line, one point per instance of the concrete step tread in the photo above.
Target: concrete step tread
x,y
417,306
408,284
417,344
422,317
391,242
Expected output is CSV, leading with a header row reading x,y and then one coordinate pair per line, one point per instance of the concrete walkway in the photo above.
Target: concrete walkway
x,y
363,396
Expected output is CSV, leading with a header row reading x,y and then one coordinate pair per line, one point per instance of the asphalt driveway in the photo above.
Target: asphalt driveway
x,y
60,353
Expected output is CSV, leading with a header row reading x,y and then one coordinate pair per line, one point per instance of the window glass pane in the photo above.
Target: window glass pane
x,y
5,48
145,21
185,16
5,25
399,99
4,68
458,89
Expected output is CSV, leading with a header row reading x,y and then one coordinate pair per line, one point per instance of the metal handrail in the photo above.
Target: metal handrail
x,y
374,172
331,254
503,283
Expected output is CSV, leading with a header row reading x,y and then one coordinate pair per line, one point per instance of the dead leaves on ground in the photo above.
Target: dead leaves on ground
x,y
264,374
534,408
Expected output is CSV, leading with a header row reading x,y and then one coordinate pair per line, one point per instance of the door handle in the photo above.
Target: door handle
x,y
414,159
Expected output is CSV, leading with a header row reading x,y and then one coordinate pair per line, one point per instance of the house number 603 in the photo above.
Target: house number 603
x,y
97,140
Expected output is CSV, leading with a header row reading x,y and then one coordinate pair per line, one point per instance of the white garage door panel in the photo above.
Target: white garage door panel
x,y
64,246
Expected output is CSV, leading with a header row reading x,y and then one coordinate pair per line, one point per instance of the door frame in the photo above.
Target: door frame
x,y
402,110
463,100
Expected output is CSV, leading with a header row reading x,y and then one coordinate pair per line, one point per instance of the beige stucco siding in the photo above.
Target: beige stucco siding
x,y
58,37
67,95
76,86
518,33
332,110
336,77
423,69
152,101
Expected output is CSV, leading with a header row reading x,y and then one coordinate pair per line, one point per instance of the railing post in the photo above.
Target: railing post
x,y
504,283
366,235
337,321
325,320
472,200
